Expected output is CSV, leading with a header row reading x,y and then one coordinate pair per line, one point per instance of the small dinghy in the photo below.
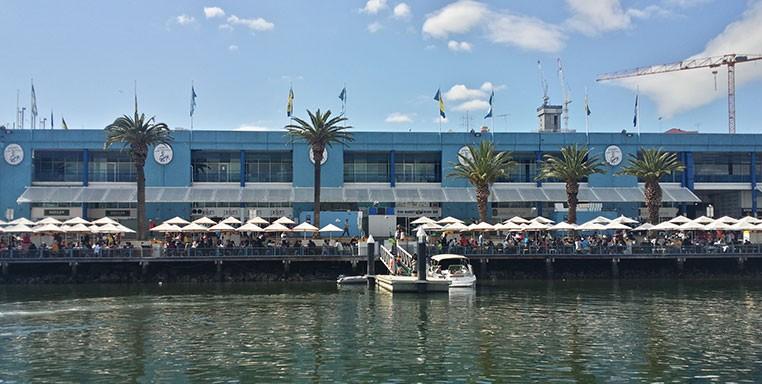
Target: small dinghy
x,y
352,279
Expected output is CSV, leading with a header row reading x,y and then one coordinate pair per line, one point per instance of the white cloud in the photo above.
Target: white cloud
x,y
458,17
184,19
372,7
232,48
487,86
472,105
500,27
677,92
399,118
594,16
686,3
211,12
374,27
401,11
257,24
459,46
461,92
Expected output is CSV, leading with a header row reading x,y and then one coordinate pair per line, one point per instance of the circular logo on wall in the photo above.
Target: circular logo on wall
x,y
13,154
613,155
464,152
325,156
163,154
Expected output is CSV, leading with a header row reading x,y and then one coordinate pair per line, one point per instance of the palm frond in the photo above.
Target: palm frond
x,y
321,130
652,164
483,165
574,164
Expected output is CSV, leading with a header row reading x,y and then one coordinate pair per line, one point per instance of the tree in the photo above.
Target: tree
x,y
650,165
574,164
482,166
138,133
320,132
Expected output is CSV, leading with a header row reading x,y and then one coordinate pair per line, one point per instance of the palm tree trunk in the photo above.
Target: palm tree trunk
x,y
572,189
141,226
317,154
482,195
653,200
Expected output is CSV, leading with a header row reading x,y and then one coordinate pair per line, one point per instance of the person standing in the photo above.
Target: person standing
x,y
346,228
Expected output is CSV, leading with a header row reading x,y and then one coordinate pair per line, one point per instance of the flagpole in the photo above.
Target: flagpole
x,y
193,107
587,116
637,110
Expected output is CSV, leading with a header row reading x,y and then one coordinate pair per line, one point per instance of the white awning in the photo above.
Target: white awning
x,y
286,194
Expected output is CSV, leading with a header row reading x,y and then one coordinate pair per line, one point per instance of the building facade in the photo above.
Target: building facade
x,y
396,176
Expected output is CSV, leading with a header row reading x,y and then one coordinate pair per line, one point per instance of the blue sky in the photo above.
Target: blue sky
x,y
392,55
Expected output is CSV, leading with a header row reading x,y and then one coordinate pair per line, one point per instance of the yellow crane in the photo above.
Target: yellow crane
x,y
729,60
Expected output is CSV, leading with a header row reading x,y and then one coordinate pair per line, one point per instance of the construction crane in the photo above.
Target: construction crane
x,y
729,60
564,94
543,84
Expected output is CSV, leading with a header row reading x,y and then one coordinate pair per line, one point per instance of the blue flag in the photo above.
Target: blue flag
x,y
635,117
52,122
489,113
193,101
290,103
438,97
343,94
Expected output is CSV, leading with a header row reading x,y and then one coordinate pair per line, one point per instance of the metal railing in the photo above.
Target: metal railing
x,y
619,250
139,253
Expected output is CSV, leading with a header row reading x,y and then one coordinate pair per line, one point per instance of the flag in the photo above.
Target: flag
x,y
343,95
52,122
193,101
34,102
489,113
635,117
290,105
438,97
63,123
587,106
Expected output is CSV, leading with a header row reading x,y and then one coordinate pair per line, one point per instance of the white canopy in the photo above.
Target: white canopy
x,y
718,225
49,220
692,226
18,228
449,220
644,227
517,220
743,226
511,226
727,220
257,220
430,226
423,220
250,227
110,228
194,228
592,226
484,227
48,228
665,226
542,220
277,227
284,220
624,220
703,220
105,220
600,220
330,228
166,227
535,226
3,222
76,228
221,227
76,220
305,227
563,226
679,220
177,220
615,226
203,221
23,221
231,220
455,227
750,219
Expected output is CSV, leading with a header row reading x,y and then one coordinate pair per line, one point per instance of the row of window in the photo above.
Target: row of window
x,y
68,166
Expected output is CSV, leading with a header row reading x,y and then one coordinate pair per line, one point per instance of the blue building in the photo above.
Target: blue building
x,y
394,176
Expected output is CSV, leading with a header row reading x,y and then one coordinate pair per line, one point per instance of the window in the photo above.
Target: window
x,y
216,167
366,167
269,167
418,167
524,171
64,166
111,166
722,167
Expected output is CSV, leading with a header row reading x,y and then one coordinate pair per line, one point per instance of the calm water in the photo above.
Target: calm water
x,y
647,331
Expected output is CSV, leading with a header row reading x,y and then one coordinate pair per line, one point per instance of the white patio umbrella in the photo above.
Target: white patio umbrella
x,y
166,227
94,228
221,227
284,220
718,225
250,227
257,220
643,227
665,226
703,220
482,227
513,227
449,220
591,226
277,227
231,220
305,227
750,219
76,228
455,227
105,220
204,221
692,226
177,220
429,227
76,220
23,221
423,220
614,226
330,228
624,220
3,222
600,220
679,220
563,226
123,228
49,220
110,228
517,220
535,226
727,220
194,228
743,226
18,228
542,220
48,228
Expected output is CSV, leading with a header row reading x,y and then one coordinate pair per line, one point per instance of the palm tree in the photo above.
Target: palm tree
x,y
574,164
320,132
650,165
482,166
138,133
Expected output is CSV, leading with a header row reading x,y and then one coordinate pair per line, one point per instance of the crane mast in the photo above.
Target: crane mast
x,y
729,60
543,84
564,94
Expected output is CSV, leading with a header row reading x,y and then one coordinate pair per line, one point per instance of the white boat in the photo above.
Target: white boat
x,y
454,268
352,279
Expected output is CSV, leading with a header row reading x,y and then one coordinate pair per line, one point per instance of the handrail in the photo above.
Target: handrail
x,y
407,258
388,259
